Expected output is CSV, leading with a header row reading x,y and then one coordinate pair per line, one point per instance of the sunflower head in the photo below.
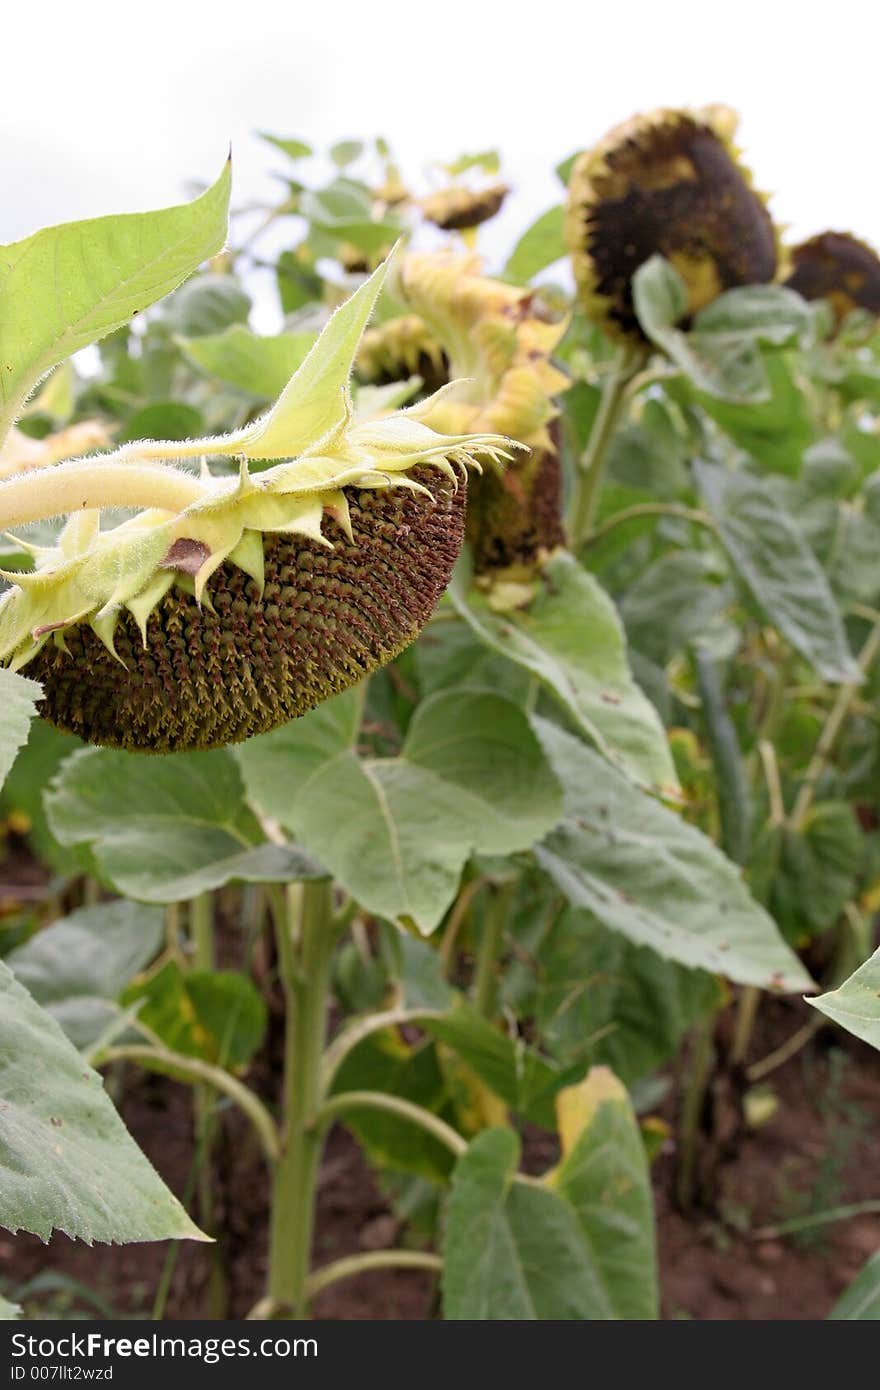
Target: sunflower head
x,y
668,183
225,606
496,337
837,267
458,209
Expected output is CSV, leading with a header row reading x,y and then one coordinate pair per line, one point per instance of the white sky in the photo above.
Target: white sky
x,y
112,107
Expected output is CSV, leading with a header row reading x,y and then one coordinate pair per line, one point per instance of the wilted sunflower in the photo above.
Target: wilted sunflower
x,y
837,267
458,209
227,606
668,183
493,335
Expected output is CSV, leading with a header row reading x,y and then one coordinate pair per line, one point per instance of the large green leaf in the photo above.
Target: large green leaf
x,y
578,1246
260,366
600,999
861,1301
644,872
218,1015
571,639
541,245
397,832
722,353
855,1005
19,697
804,875
67,1161
76,967
165,829
66,286
770,555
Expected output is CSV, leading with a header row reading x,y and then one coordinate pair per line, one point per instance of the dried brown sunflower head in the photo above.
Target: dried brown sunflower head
x,y
458,209
669,183
838,267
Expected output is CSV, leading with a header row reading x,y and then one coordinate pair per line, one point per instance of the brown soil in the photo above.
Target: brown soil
x,y
818,1150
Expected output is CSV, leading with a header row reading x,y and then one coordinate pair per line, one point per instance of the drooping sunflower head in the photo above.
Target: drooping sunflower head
x,y
669,183
837,267
226,606
459,209
400,348
496,337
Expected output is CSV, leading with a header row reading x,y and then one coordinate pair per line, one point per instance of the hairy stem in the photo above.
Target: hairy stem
x,y
305,952
91,483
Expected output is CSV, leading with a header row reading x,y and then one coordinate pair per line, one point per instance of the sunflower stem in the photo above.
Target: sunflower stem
x,y
591,470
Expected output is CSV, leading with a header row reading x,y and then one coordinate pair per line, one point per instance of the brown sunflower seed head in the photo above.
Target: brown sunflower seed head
x,y
244,661
669,183
458,209
836,266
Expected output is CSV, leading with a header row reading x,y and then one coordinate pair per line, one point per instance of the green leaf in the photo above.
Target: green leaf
x,y
165,829
207,305
218,1015
344,212
77,967
855,1005
36,763
676,600
524,1080
384,1062
579,1246
294,149
861,1301
601,999
8,1311
164,420
470,777
572,640
770,555
487,160
67,1160
260,366
19,697
733,791
346,152
64,287
722,354
805,875
542,245
644,872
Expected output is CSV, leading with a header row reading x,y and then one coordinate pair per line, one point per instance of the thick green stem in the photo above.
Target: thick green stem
x,y
591,471
485,985
305,952
201,925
